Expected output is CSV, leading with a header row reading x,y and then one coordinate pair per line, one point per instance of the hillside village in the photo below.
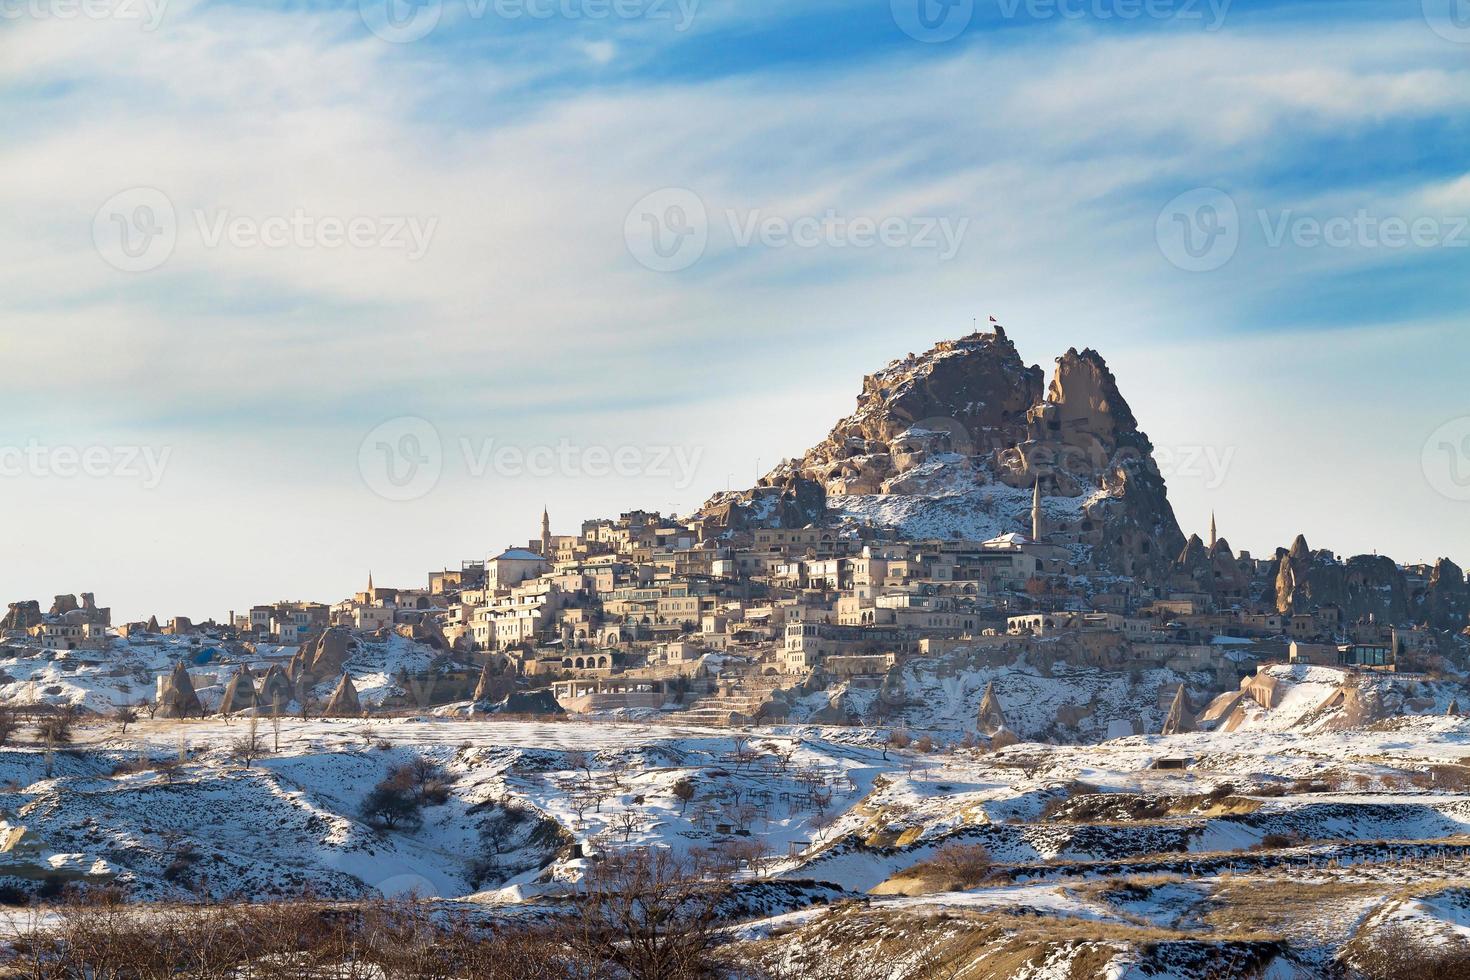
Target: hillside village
x,y
795,600
952,691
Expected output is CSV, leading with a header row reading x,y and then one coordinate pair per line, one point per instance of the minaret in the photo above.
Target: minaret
x,y
545,534
1036,511
1212,530
370,587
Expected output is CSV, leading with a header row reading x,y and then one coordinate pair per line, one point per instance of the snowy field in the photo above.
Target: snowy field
x,y
1094,839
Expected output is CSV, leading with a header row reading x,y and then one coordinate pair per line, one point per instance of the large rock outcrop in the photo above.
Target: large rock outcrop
x,y
1445,602
22,615
1363,586
952,442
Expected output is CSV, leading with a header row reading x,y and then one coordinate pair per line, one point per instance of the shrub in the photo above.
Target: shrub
x,y
391,805
966,865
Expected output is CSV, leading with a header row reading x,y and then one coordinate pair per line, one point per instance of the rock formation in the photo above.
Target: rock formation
x,y
1445,603
63,604
494,684
1179,719
239,693
22,615
990,718
177,699
957,439
1362,586
275,688
327,652
344,702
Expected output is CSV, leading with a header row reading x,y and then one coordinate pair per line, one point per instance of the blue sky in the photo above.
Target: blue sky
x,y
1316,352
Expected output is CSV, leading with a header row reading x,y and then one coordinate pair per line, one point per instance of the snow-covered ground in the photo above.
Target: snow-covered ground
x,y
1351,829
126,672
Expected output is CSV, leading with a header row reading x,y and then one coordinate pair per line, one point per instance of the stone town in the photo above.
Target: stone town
x,y
763,598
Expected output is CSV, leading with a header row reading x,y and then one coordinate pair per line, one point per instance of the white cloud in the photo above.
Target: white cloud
x,y
528,296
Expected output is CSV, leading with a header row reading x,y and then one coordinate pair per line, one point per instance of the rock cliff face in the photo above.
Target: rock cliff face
x,y
950,444
1370,586
1445,603
22,615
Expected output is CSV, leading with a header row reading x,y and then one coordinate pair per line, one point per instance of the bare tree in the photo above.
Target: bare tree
x,y
246,750
55,728
626,823
125,716
683,791
276,707
646,913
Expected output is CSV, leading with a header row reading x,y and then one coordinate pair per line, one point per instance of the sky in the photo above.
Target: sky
x,y
295,290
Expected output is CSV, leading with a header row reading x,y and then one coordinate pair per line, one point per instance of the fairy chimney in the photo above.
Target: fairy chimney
x,y
991,718
176,696
1180,719
239,693
344,702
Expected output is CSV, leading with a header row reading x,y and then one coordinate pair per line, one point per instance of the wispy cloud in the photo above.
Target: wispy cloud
x,y
524,144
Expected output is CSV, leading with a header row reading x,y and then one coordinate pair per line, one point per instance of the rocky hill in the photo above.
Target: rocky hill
x,y
952,442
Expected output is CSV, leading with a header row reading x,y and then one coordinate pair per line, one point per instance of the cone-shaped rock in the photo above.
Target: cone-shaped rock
x,y
343,703
178,699
239,693
485,689
1454,707
1180,718
990,718
275,687
152,626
